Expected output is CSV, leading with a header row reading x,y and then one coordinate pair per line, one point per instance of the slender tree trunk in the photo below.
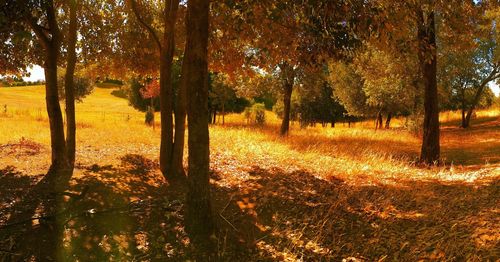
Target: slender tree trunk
x,y
166,89
69,85
388,121
58,145
51,47
430,152
153,111
180,126
378,120
464,124
199,218
288,79
477,97
223,113
215,117
166,143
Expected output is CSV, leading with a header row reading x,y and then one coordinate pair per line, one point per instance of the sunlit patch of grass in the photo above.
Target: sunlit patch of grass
x,y
109,127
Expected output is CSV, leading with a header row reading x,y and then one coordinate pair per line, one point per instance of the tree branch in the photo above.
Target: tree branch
x,y
148,27
38,29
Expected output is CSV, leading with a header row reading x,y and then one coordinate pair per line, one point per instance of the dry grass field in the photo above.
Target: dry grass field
x,y
320,194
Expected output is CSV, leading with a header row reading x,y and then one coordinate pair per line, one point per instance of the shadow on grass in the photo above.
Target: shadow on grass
x,y
294,215
273,215
476,145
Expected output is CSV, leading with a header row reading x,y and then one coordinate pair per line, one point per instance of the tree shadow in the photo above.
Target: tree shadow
x,y
28,220
117,213
476,145
125,213
293,215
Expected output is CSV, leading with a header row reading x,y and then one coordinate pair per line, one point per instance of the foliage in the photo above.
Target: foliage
x,y
82,86
256,114
223,97
136,99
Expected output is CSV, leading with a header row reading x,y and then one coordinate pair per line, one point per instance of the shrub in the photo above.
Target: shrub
x,y
256,114
82,87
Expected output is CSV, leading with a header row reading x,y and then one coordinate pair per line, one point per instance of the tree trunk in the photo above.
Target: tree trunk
x,y
388,121
378,121
58,145
223,113
287,76
51,47
215,117
199,220
333,124
464,123
477,97
427,58
69,88
166,89
152,102
180,126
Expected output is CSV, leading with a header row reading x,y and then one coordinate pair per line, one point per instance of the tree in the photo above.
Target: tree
x,y
40,17
199,219
151,91
223,98
166,45
413,24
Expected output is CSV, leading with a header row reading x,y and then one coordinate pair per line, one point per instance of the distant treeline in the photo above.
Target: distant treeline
x,y
18,81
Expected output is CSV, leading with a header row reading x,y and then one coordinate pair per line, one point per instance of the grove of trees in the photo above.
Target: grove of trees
x,y
324,61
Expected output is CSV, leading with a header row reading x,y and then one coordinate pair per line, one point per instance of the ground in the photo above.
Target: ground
x,y
320,194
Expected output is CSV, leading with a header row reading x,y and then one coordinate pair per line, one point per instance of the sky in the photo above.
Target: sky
x,y
37,74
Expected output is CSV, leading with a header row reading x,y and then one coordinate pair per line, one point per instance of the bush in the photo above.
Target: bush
x,y
136,100
82,87
256,114
119,93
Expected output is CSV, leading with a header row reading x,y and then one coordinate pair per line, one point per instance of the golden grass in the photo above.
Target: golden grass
x,y
109,128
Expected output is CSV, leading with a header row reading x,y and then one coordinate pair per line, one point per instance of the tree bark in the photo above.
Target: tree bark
x,y
166,89
477,97
69,88
223,113
430,151
378,120
180,127
288,77
463,125
199,219
388,121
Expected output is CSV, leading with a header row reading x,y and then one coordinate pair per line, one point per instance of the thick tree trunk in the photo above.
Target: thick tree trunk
x,y
166,89
388,121
199,219
69,86
180,126
287,76
430,151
